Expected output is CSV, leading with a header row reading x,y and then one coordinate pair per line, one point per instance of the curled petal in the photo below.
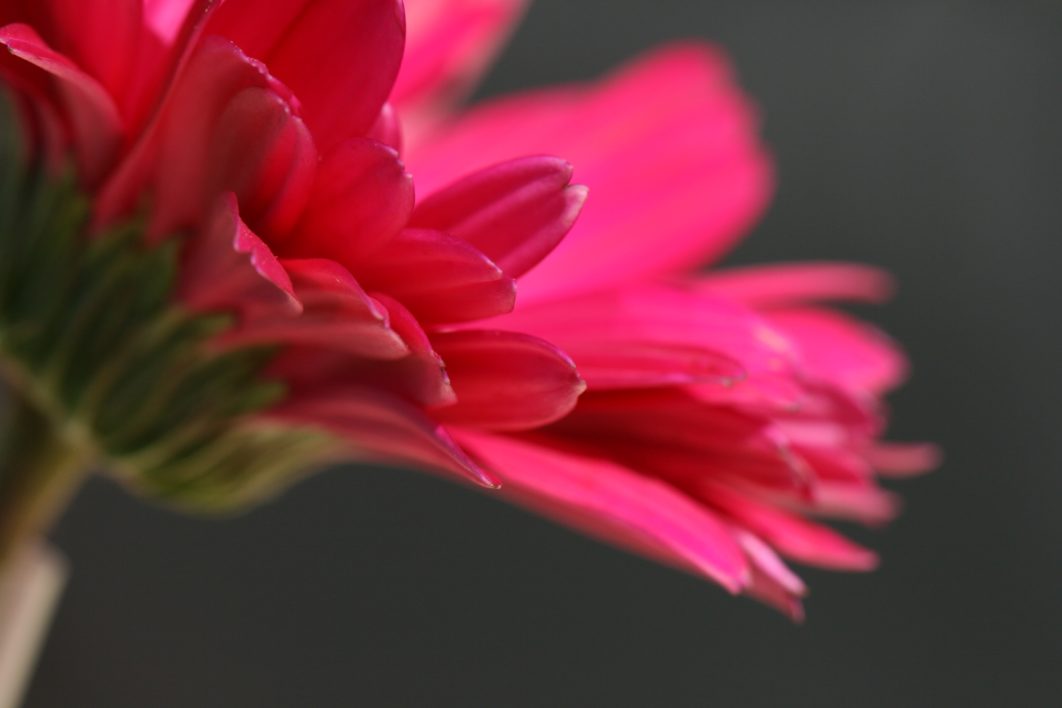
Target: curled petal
x,y
516,212
230,268
92,114
506,381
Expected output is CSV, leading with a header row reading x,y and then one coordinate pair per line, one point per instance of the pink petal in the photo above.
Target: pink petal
x,y
339,56
92,114
694,176
505,380
604,329
771,581
795,283
613,503
361,198
336,311
904,459
838,349
449,44
515,212
792,536
383,427
103,37
227,126
265,154
440,278
229,268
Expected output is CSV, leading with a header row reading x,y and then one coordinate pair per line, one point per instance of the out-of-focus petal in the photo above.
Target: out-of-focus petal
x,y
836,348
800,540
91,113
766,286
694,175
448,46
340,57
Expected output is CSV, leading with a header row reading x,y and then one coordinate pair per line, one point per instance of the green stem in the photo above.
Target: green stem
x,y
40,470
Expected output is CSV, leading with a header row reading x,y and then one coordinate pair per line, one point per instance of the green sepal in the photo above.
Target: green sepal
x,y
92,336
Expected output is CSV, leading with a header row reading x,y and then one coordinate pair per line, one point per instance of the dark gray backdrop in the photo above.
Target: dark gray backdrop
x,y
923,136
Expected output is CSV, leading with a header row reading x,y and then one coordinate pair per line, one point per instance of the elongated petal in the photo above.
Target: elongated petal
x,y
614,503
800,540
796,283
505,380
449,44
516,212
840,350
440,278
340,57
608,328
384,427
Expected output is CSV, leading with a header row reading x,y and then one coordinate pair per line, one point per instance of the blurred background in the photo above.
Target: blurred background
x,y
924,136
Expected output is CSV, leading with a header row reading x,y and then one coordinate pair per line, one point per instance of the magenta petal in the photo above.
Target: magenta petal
x,y
640,327
796,283
505,380
336,312
614,503
516,212
792,536
361,198
449,44
265,154
229,268
694,175
838,349
440,278
340,57
92,114
103,37
385,428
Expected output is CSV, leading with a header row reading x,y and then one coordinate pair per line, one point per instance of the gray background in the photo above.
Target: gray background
x,y
922,136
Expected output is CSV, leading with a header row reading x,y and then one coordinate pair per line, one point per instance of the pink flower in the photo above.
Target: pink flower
x,y
723,409
254,149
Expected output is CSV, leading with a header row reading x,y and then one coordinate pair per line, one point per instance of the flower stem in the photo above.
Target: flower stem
x,y
40,470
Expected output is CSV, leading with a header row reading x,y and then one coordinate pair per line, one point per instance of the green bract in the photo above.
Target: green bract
x,y
103,368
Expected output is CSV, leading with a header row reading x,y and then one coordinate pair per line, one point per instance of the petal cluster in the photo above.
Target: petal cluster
x,y
725,409
424,291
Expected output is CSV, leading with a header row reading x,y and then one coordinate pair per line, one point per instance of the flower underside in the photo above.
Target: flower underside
x,y
92,341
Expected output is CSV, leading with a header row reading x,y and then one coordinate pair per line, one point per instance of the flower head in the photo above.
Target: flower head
x,y
244,283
